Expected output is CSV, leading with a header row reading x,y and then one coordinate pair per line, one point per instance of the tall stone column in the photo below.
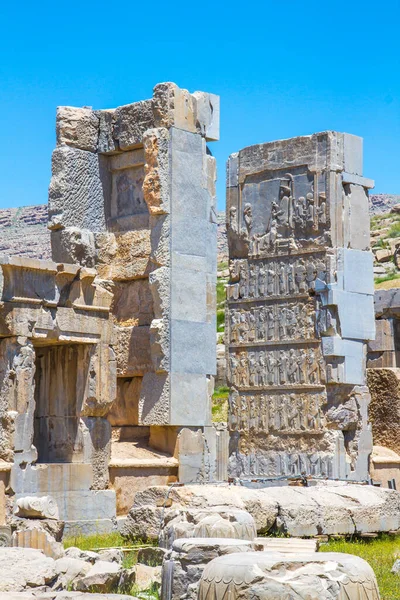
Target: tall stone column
x,y
133,195
300,308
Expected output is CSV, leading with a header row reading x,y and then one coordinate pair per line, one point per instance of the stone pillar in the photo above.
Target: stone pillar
x,y
133,195
300,308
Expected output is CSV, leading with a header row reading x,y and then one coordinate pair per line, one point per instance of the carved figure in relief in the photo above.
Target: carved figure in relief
x,y
310,274
271,280
292,366
283,413
252,327
234,326
233,219
315,465
314,420
243,370
282,323
313,367
270,365
253,380
282,279
300,277
270,323
302,364
248,219
244,282
291,322
261,325
262,368
290,279
294,464
253,284
234,368
300,209
243,327
234,403
322,216
293,413
282,367
262,280
264,414
253,412
310,210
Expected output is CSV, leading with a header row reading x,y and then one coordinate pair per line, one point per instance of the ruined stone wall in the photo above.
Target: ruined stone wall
x,y
300,308
133,194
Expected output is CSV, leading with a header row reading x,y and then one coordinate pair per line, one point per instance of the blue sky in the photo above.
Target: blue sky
x,y
282,69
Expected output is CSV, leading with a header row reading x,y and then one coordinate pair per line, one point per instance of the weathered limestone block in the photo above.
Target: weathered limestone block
x,y
76,192
197,113
184,564
384,410
296,511
125,410
382,351
102,577
385,467
22,568
41,540
130,123
133,351
316,576
74,245
78,127
44,507
17,404
123,256
156,181
300,309
132,303
215,522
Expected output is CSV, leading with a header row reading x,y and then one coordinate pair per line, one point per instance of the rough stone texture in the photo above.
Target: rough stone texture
x,y
384,410
185,563
24,232
24,567
300,309
41,540
215,522
329,509
102,577
78,127
317,576
152,556
39,508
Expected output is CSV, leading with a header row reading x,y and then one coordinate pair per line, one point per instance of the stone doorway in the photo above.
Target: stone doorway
x,y
60,383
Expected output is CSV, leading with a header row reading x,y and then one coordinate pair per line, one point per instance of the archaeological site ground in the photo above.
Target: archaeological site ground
x,y
196,405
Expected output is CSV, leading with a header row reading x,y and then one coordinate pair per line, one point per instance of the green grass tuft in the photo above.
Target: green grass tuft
x,y
380,553
389,277
219,407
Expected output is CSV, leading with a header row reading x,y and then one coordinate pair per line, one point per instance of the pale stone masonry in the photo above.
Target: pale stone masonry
x,y
300,308
108,353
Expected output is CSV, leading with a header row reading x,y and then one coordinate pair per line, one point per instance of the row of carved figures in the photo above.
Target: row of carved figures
x,y
290,413
281,464
274,278
277,322
277,367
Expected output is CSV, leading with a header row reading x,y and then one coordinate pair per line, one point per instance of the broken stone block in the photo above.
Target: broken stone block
x,y
42,507
22,568
383,255
152,556
41,540
102,577
273,575
78,127
184,564
147,576
215,522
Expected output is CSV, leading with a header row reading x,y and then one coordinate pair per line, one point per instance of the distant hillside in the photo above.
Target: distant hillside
x,y
24,231
382,203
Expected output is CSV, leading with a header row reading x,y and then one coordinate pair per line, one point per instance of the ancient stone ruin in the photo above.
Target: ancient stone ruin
x,y
108,358
300,308
108,352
